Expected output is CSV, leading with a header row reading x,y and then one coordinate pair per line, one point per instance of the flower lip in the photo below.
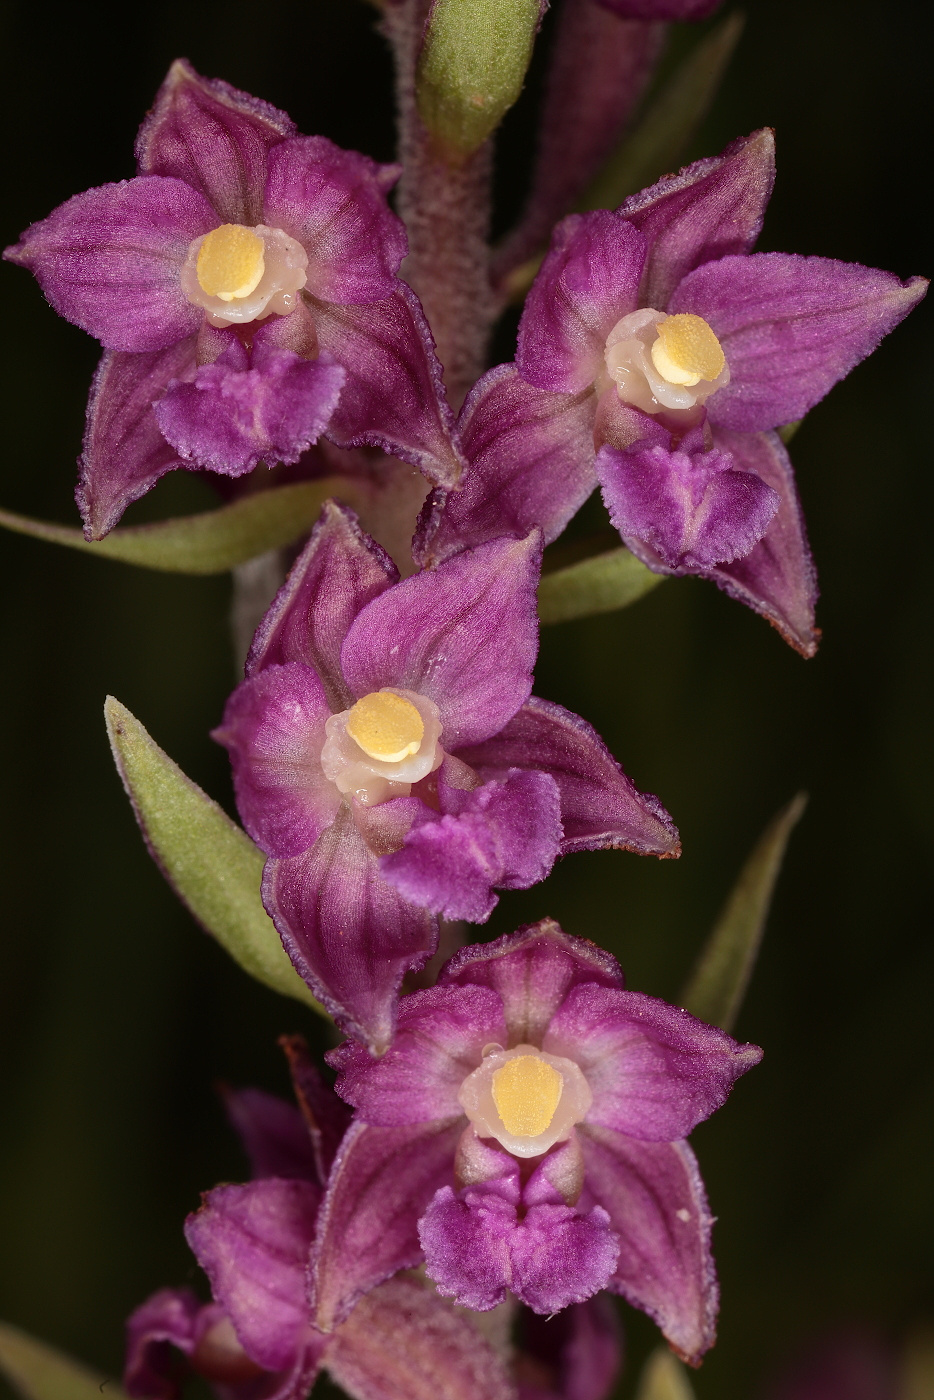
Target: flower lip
x,y
525,1099
382,745
239,274
664,363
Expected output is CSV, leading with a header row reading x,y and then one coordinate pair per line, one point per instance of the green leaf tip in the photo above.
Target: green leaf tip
x,y
212,865
208,543
38,1371
718,984
664,1378
471,68
600,584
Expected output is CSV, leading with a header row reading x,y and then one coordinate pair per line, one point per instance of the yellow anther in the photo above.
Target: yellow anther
x,y
231,262
527,1091
386,726
687,350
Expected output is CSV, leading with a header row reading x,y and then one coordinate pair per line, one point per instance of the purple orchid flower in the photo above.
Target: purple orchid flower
x,y
658,355
390,761
524,1132
244,288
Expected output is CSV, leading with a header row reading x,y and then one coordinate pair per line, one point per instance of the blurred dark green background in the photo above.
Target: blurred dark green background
x,y
118,1016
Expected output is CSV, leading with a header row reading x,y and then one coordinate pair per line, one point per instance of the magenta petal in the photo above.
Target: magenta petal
x,y
253,1243
655,1071
709,209
338,572
466,1240
351,936
216,139
274,1134
560,1256
169,1318
530,456
439,1040
790,327
394,397
273,728
693,510
587,283
656,1202
465,635
381,1182
334,203
600,807
110,260
124,451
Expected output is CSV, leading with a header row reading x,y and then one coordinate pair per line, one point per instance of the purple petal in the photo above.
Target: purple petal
x,y
465,635
466,1240
334,203
709,209
532,970
655,1071
661,9
124,452
790,327
213,137
693,509
777,578
274,1134
394,397
579,1351
403,1342
587,283
338,572
110,259
349,934
170,1318
381,1182
439,1040
600,807
530,457
253,1243
326,1119
561,1256
656,1202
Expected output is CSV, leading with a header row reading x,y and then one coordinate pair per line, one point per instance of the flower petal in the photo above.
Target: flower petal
x,y
588,282
465,635
110,259
213,137
349,934
560,1256
124,452
790,327
654,1070
338,572
334,203
381,1182
656,1202
709,209
273,1134
466,1240
273,728
173,1317
600,807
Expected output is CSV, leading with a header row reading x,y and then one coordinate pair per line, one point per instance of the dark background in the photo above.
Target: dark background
x,y
117,1016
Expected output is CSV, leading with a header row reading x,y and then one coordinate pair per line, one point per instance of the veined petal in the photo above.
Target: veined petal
x,y
213,137
124,452
656,1202
273,1134
709,209
334,203
600,806
110,260
465,635
588,282
790,327
351,936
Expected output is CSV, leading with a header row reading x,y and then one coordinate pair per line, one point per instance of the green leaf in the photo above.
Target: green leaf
x,y
600,584
664,1378
212,865
718,984
41,1372
472,66
209,543
669,121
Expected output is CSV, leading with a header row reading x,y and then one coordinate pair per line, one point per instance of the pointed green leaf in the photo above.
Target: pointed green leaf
x,y
600,584
664,1378
212,865
669,121
718,984
209,543
41,1372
